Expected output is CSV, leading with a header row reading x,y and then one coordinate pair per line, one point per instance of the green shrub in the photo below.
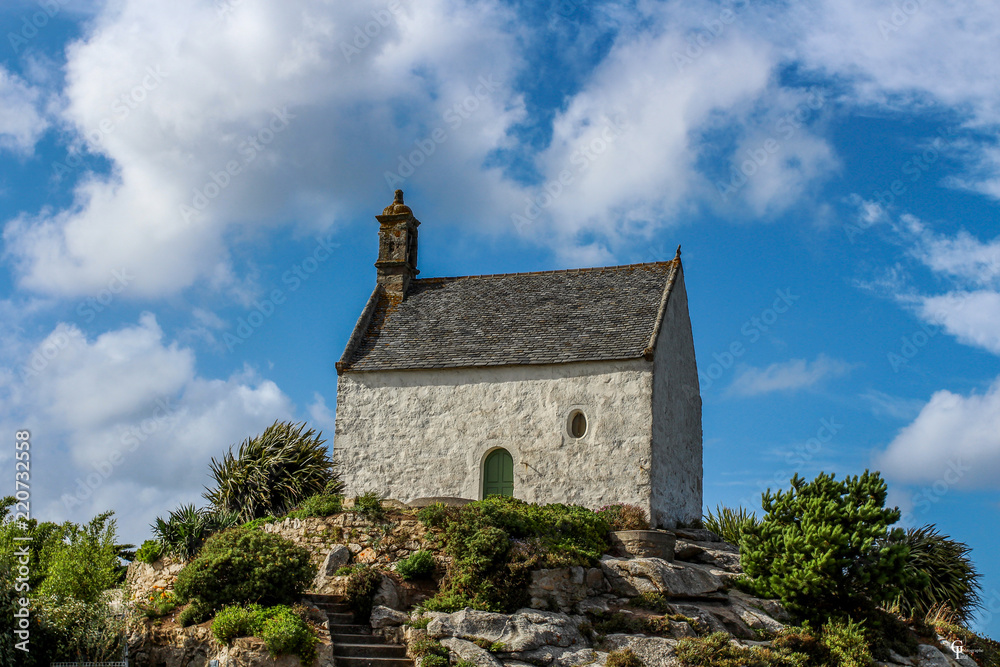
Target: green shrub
x,y
436,515
195,613
420,623
149,552
369,505
417,565
821,547
944,575
82,562
186,529
240,566
346,570
285,632
846,643
495,543
624,657
730,524
431,653
234,621
362,586
625,517
272,472
320,504
715,650
68,628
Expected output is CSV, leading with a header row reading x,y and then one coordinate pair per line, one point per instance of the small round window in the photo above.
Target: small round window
x,y
577,424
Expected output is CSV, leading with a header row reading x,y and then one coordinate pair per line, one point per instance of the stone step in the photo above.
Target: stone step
x,y
319,597
350,629
335,608
344,638
368,650
374,662
340,619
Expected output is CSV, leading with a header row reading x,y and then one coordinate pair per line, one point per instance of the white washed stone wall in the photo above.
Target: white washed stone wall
x,y
419,433
677,436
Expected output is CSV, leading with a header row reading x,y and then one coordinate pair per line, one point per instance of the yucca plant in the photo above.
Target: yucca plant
x,y
272,472
943,575
729,524
187,528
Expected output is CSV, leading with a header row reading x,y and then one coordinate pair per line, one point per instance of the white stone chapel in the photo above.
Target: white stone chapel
x,y
577,386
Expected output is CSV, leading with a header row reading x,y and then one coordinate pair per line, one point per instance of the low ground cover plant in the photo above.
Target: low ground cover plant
x,y
624,517
495,543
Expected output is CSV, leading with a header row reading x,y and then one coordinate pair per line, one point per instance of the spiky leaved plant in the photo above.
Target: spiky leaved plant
x,y
187,528
946,576
729,524
272,472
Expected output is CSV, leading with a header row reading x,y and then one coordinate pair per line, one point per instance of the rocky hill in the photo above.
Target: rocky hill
x,y
632,605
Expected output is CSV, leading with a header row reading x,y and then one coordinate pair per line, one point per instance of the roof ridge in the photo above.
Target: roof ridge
x,y
550,272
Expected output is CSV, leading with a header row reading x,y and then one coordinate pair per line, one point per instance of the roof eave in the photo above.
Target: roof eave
x,y
359,330
661,313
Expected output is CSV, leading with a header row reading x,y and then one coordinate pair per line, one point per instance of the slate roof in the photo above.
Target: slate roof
x,y
513,319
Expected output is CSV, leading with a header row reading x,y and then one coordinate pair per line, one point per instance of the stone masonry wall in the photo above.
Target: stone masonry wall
x,y
368,542
677,435
422,433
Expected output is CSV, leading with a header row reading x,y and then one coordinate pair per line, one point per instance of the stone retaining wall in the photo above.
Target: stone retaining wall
x,y
369,542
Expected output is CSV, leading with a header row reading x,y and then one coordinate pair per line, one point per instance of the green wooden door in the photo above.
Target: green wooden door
x,y
498,474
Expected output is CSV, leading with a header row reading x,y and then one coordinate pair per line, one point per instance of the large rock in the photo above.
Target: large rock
x,y
388,594
466,650
930,656
644,543
384,617
562,588
555,656
526,630
336,558
635,576
653,651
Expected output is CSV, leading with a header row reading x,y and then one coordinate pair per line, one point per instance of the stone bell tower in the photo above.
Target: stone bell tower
x,y
397,247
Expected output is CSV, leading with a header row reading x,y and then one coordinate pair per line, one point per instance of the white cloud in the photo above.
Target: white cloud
x,y
972,317
172,95
953,433
322,416
926,57
787,375
21,122
124,421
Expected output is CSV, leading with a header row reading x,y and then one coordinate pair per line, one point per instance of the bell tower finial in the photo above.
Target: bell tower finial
x,y
397,247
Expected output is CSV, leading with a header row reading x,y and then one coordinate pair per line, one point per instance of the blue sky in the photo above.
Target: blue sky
x,y
187,193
